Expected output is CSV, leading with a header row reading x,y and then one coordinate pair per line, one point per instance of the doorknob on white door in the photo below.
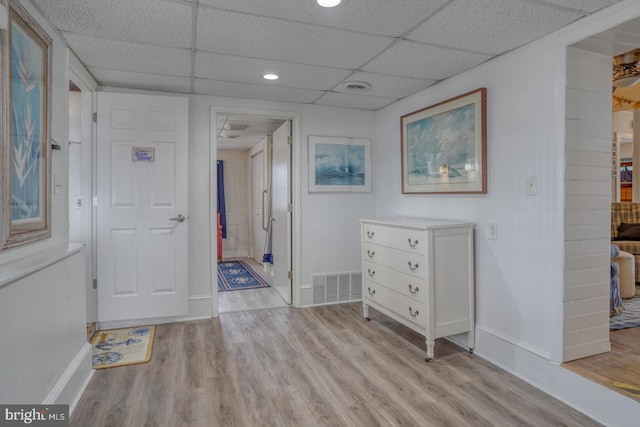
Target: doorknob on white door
x,y
179,218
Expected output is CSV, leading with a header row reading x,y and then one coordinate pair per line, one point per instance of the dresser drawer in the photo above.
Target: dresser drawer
x,y
396,305
407,285
398,238
404,262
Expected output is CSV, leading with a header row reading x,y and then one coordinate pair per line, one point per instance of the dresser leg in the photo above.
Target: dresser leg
x,y
365,309
430,353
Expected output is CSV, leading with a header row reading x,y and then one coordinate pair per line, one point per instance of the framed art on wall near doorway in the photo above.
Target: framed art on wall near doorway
x,y
26,115
339,164
444,146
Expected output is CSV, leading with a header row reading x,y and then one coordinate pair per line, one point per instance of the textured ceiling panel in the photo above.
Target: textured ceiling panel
x,y
249,70
239,90
417,60
584,5
354,101
258,37
385,17
124,20
123,56
141,80
491,26
388,86
223,47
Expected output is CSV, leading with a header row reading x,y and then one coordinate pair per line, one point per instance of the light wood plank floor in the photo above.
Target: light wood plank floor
x,y
250,299
320,366
618,369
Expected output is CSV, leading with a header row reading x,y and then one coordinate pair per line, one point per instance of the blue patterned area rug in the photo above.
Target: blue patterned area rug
x,y
237,275
630,316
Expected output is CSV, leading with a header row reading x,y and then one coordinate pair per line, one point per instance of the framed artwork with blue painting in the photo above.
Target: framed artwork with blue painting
x,y
339,164
444,146
26,115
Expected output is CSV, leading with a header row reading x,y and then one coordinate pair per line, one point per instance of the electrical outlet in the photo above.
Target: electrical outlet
x,y
492,231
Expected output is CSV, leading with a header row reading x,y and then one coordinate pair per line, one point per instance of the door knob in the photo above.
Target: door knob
x,y
179,218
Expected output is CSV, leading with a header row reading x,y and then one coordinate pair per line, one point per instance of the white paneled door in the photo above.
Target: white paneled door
x,y
281,210
142,206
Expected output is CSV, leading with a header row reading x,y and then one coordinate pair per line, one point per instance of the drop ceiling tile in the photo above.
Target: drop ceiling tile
x,y
258,37
410,59
383,17
251,91
250,70
584,5
385,85
348,100
124,20
491,26
141,80
123,56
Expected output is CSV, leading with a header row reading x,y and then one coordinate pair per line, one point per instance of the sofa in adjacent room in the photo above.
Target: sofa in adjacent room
x,y
625,229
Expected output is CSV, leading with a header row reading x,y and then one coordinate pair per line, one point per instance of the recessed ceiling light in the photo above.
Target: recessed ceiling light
x,y
271,76
329,3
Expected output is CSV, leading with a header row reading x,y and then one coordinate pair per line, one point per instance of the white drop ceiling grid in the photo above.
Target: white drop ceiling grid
x,y
223,47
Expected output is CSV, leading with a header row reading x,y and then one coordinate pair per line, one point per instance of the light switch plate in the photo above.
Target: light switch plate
x,y
532,186
492,231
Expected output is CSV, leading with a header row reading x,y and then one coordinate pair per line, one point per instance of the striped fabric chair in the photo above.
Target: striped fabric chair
x,y
628,213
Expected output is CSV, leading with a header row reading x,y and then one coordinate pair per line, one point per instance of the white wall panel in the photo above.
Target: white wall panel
x,y
163,119
163,273
123,118
124,255
123,177
162,185
587,173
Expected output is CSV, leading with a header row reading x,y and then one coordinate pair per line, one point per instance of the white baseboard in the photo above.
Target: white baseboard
x,y
73,381
597,402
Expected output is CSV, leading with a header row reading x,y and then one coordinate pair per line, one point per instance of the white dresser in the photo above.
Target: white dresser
x,y
420,272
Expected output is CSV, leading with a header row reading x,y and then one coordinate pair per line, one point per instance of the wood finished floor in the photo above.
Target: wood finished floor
x,y
250,299
618,369
320,366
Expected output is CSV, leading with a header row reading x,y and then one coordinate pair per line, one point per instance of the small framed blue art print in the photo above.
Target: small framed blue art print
x,y
339,164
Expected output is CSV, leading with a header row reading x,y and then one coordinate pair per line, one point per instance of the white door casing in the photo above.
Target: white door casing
x,y
281,216
142,238
258,204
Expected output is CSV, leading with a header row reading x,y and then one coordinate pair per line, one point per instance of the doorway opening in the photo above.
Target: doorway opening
x,y
615,365
81,188
254,204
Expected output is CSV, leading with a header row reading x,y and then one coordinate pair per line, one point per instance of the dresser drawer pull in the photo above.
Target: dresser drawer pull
x,y
370,272
371,292
413,267
370,234
412,313
370,253
414,243
413,290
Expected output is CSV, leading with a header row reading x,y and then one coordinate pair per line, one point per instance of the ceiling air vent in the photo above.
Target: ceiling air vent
x,y
357,87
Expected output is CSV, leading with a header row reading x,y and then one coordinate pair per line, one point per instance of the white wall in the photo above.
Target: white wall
x,y
587,224
519,280
45,312
514,297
